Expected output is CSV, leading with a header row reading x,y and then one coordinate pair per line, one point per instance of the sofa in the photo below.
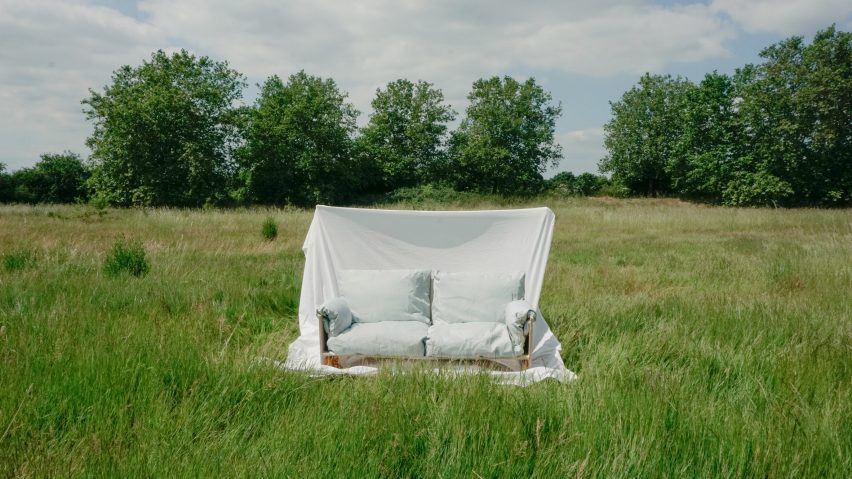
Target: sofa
x,y
426,314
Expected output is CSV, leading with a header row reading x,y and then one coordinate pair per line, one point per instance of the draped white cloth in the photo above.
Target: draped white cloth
x,y
486,241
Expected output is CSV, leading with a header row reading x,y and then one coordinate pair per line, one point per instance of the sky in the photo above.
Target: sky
x,y
586,53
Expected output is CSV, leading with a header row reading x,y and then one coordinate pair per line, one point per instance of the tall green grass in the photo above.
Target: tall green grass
x,y
709,342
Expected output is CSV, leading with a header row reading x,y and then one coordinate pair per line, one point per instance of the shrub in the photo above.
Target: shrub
x,y
615,189
584,184
18,260
269,229
757,189
127,256
427,194
99,201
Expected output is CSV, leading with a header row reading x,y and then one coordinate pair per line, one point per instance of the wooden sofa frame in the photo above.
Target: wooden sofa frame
x,y
339,361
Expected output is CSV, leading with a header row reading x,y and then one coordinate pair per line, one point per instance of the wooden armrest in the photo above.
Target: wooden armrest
x,y
530,321
322,336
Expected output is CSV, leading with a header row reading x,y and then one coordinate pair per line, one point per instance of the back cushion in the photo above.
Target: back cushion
x,y
474,297
386,295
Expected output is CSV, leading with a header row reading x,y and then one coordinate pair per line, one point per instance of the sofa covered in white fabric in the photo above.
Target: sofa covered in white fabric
x,y
352,256
415,314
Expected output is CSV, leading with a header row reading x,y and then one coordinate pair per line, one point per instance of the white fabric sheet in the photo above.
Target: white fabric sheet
x,y
488,241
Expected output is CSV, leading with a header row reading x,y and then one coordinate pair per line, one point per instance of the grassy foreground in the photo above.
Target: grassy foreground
x,y
709,342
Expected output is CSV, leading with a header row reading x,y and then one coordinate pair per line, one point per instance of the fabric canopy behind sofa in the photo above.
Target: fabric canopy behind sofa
x,y
490,240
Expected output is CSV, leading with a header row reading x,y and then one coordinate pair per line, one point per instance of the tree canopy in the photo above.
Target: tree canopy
x,y
641,136
56,178
778,133
796,112
406,136
164,131
173,131
709,140
298,143
506,141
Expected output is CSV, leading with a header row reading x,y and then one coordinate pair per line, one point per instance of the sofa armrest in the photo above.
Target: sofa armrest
x,y
519,315
335,316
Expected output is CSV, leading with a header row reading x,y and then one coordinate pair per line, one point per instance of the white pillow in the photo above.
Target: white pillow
x,y
386,295
469,340
474,297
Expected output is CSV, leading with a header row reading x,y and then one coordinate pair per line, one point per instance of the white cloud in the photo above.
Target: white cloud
x,y
627,40
366,44
50,54
786,17
581,150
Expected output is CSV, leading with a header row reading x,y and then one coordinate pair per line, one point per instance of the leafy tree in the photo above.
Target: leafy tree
x,y
299,143
641,136
797,117
777,133
506,141
164,131
407,133
56,178
825,102
758,188
709,149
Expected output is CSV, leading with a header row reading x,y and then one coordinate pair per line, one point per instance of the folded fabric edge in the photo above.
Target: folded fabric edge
x,y
511,378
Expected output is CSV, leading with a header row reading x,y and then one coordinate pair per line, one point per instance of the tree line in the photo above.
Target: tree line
x,y
173,131
778,133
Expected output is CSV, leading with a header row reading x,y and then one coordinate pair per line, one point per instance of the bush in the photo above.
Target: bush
x,y
584,184
127,256
99,201
18,260
427,194
757,189
269,229
56,178
614,189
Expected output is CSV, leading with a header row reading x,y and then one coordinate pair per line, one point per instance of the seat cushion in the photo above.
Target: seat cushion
x,y
474,297
387,295
385,338
469,340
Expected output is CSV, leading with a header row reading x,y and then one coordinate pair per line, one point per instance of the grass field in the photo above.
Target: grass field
x,y
709,343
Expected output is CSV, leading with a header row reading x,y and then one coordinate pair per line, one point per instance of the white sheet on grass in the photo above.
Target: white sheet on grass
x,y
488,241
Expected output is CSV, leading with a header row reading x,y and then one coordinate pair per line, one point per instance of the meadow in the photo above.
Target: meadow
x,y
709,342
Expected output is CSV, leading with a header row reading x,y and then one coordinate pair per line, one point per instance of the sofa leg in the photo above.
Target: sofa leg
x,y
332,361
